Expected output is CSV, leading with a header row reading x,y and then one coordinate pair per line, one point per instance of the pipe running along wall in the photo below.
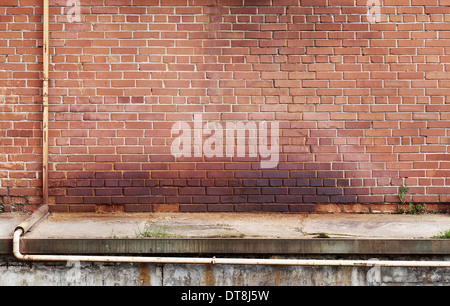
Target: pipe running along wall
x,y
45,103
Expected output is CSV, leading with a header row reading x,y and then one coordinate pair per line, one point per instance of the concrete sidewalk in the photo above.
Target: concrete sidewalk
x,y
229,225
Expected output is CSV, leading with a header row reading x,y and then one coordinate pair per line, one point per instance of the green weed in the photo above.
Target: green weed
x,y
401,194
414,209
153,230
443,235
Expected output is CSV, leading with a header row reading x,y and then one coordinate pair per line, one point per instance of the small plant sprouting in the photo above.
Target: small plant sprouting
x,y
113,235
443,235
401,195
401,210
414,209
153,230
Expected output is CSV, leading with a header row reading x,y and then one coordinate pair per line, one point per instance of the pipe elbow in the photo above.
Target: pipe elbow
x,y
16,244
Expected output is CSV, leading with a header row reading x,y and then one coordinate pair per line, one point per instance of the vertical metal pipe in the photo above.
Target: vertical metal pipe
x,y
45,100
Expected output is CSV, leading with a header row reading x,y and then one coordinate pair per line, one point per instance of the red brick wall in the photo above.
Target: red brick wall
x,y
362,107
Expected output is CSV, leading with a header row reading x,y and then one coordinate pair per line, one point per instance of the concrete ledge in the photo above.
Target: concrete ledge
x,y
197,246
229,225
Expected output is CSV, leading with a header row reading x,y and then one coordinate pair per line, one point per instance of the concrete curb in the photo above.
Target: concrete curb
x,y
214,246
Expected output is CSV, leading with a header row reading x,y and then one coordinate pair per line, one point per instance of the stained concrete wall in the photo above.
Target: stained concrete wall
x,y
15,273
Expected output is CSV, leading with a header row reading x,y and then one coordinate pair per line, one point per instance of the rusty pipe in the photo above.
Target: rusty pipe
x,y
26,225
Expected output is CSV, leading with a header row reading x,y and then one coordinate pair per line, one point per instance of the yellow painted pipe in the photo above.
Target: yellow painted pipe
x,y
45,102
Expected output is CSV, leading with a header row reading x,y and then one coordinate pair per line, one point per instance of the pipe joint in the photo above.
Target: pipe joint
x,y
16,243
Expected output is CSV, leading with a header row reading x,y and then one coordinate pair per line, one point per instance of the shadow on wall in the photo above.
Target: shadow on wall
x,y
342,134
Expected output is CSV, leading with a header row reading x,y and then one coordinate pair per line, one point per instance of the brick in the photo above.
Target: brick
x,y
10,3
80,192
82,208
360,106
192,191
138,208
220,208
302,208
193,208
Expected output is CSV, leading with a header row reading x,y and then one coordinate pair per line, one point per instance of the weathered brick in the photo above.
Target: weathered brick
x,y
361,106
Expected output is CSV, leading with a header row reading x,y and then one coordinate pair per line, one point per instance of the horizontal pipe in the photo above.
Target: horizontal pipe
x,y
221,261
